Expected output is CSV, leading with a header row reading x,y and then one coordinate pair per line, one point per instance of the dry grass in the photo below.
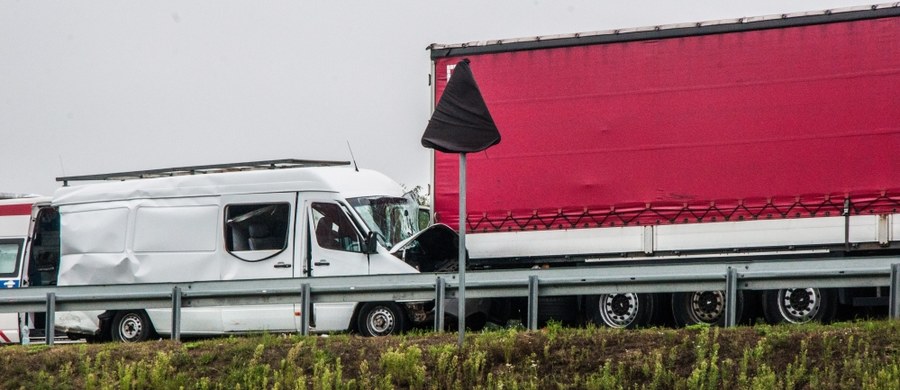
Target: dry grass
x,y
849,355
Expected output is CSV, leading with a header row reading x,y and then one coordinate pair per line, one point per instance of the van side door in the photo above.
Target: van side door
x,y
258,232
336,248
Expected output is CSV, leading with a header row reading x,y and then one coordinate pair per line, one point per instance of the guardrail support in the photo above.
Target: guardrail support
x,y
895,292
305,309
532,302
439,291
176,313
50,319
731,297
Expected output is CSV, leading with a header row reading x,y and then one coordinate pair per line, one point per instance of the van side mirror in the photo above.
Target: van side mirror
x,y
424,217
372,242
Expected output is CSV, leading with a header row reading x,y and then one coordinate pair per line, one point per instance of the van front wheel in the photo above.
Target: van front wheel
x,y
380,319
131,326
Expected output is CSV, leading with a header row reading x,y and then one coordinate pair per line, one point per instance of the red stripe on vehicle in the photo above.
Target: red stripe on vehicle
x,y
4,338
15,209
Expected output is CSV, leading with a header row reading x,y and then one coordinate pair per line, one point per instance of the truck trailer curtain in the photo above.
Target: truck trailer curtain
x,y
754,124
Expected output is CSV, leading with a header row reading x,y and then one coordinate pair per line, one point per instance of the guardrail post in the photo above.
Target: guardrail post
x,y
439,290
731,296
895,292
50,319
305,309
532,302
176,313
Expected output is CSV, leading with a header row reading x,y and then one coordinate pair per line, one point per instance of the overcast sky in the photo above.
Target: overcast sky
x,y
91,86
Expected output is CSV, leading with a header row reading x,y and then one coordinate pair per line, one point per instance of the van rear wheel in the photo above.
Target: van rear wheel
x,y
131,326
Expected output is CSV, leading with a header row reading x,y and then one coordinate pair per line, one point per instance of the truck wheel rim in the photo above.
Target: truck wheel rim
x,y
618,310
707,306
380,321
130,327
799,305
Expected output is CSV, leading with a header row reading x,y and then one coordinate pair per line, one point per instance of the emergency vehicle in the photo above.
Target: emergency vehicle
x,y
21,267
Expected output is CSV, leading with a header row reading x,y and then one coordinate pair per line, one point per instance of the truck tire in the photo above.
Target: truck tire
x,y
563,309
799,305
131,326
559,308
703,307
380,319
623,310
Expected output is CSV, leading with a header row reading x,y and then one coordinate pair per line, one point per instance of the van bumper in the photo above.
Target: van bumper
x,y
84,323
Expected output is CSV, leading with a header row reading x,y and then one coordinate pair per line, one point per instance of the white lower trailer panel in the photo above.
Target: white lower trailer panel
x,y
727,236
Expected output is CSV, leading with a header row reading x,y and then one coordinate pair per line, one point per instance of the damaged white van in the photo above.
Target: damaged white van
x,y
257,220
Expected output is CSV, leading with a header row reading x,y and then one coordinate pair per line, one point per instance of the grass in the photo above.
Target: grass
x,y
858,355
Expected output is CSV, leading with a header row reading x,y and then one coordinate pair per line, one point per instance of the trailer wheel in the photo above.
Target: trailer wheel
x,y
799,305
563,308
625,310
380,319
131,326
703,307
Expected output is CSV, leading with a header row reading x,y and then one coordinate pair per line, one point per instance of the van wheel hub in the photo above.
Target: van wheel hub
x,y
381,321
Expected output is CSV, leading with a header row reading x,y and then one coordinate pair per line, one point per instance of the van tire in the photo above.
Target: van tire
x,y
131,326
380,319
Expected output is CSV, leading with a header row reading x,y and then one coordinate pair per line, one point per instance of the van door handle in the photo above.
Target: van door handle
x,y
322,262
282,265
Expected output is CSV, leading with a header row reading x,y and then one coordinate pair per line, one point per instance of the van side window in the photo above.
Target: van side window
x,y
334,230
256,227
9,257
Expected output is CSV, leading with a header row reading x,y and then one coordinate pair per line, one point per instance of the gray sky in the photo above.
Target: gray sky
x,y
90,86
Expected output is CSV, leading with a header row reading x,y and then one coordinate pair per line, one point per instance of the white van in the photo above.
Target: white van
x,y
272,219
20,267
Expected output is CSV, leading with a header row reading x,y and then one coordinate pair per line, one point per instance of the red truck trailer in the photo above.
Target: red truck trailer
x,y
764,137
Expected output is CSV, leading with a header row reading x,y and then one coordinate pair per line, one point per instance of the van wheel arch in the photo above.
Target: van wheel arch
x,y
104,334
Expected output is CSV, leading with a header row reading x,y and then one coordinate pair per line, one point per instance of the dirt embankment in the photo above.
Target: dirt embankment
x,y
852,355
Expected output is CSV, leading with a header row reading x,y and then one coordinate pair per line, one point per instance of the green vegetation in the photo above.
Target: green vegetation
x,y
858,355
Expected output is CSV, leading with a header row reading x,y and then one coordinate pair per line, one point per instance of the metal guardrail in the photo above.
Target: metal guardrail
x,y
646,277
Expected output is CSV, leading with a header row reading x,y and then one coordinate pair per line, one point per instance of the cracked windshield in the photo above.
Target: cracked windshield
x,y
395,218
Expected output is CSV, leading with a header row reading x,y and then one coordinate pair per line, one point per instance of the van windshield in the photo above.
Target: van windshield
x,y
395,218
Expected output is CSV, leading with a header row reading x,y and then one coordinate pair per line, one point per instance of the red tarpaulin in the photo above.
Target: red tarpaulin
x,y
756,124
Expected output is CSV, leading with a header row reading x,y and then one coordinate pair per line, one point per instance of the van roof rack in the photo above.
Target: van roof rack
x,y
204,169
